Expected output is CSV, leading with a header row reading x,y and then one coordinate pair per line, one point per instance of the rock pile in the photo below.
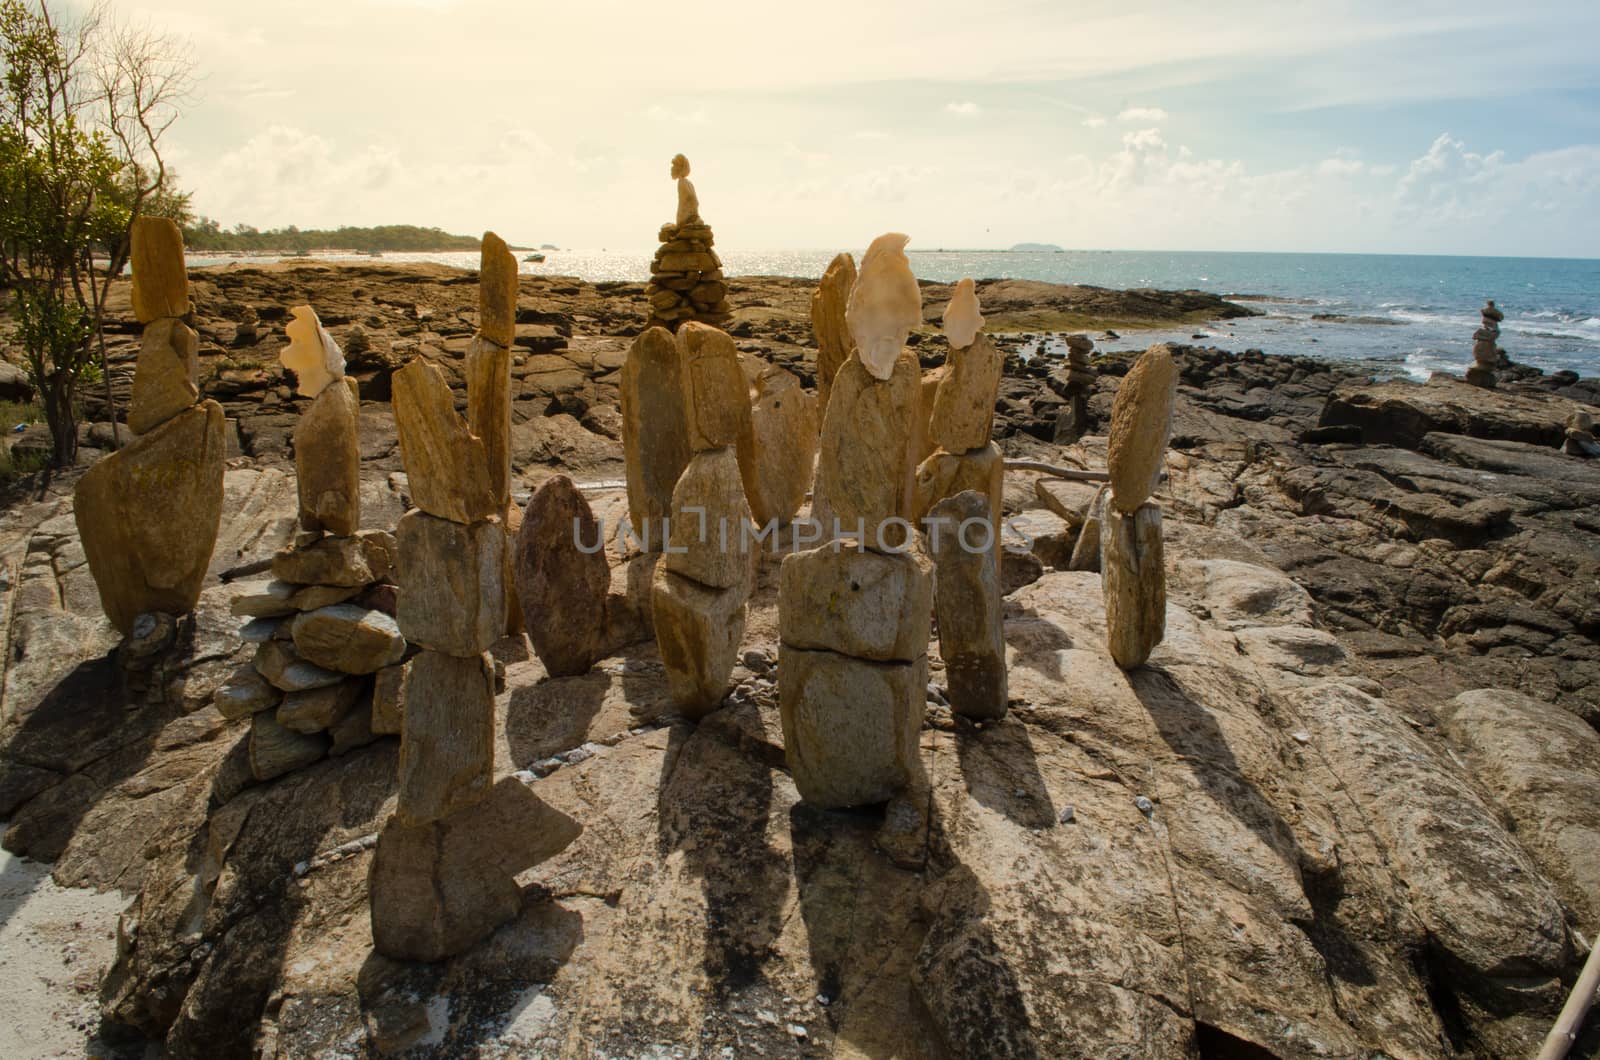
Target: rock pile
x,y
444,873
1132,567
1072,422
324,622
148,514
686,281
853,618
702,583
1486,353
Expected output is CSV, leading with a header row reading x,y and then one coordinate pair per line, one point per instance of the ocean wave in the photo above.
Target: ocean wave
x,y
1421,364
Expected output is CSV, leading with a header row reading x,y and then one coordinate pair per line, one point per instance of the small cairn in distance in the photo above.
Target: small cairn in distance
x,y
686,281
1486,353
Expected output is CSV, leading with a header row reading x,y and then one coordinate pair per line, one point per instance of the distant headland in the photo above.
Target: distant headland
x,y
208,235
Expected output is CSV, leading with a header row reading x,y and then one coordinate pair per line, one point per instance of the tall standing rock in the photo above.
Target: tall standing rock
x,y
828,303
1141,426
655,432
148,514
327,446
778,447
562,578
967,601
446,466
865,464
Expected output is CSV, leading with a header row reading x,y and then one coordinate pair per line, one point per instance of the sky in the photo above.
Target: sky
x,y
1465,127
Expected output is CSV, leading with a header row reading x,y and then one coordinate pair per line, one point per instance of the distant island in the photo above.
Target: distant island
x,y
208,235
1038,248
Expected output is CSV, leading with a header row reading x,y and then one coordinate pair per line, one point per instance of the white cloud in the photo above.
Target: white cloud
x,y
1144,140
1341,166
1095,122
966,109
1142,114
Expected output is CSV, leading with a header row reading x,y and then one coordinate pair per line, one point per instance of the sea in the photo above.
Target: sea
x,y
1396,315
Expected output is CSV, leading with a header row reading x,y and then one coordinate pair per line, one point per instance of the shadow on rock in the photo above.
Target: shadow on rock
x,y
1001,771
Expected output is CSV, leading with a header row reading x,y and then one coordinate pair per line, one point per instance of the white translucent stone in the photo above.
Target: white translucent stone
x,y
312,355
885,304
962,319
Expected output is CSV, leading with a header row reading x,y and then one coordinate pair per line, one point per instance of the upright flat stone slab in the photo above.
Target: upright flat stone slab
x,y
439,889
165,379
1141,426
447,738
1133,575
148,516
963,409
716,396
828,303
327,460
160,277
868,605
711,540
698,630
885,304
446,464
655,431
849,726
497,292
865,467
778,450
488,371
947,474
452,584
562,583
967,602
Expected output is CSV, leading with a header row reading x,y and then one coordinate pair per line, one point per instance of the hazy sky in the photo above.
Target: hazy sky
x,y
1354,125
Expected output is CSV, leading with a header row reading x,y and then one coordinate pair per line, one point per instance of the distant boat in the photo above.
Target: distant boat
x,y
535,257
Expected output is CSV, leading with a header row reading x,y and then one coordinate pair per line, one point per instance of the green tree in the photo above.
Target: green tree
x,y
84,104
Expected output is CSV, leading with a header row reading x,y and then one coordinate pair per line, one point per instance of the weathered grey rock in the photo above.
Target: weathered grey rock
x,y
865,467
488,372
276,750
264,598
447,466
778,450
344,562
711,540
165,378
452,584
317,709
447,741
868,605
967,602
655,431
945,474
388,710
1141,425
1134,577
327,460
277,662
828,304
716,396
849,726
698,630
348,638
148,516
438,889
160,277
562,578
245,693
963,409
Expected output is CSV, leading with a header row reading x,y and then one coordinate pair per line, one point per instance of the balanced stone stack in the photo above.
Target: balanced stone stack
x,y
1132,567
686,281
655,433
488,372
967,549
444,875
148,514
1486,353
854,618
704,580
324,623
324,626
1073,419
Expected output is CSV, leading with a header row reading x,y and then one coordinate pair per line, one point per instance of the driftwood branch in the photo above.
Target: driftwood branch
x,y
1570,1023
1071,474
244,570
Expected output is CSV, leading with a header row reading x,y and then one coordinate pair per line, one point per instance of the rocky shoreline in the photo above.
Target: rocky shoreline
x,y
1353,565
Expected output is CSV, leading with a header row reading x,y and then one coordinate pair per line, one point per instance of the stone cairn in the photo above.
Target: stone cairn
x,y
444,874
834,346
705,578
1073,419
1581,439
1486,353
686,281
148,514
324,622
854,617
964,531
1132,568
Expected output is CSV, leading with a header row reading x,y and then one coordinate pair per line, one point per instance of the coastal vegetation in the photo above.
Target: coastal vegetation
x,y
208,235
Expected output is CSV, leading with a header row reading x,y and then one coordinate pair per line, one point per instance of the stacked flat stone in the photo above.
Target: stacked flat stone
x,y
1073,419
703,581
148,514
444,874
967,549
686,281
325,630
854,617
1486,352
1132,567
